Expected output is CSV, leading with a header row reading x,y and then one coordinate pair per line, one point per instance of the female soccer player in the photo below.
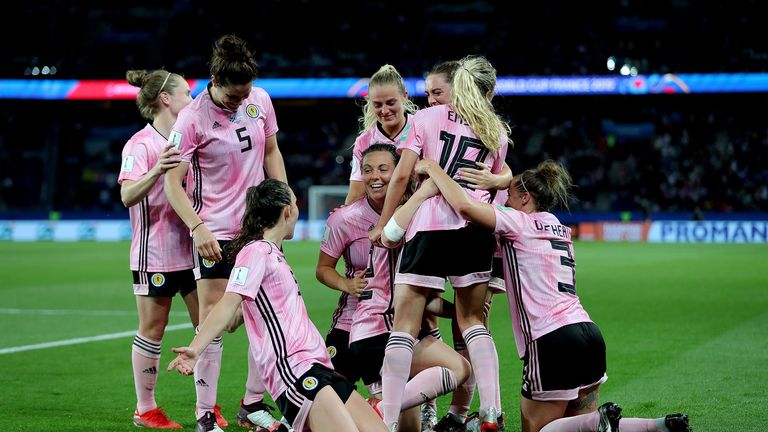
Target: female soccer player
x,y
385,117
438,90
457,135
227,137
549,322
161,251
436,368
289,349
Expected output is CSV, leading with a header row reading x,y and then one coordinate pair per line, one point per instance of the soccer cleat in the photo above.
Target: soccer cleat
x,y
501,421
450,423
257,415
610,414
677,423
374,403
428,418
220,420
207,423
489,419
154,419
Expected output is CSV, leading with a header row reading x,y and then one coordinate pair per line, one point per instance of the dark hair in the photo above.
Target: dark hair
x,y
385,147
549,184
446,68
232,62
263,206
151,84
392,150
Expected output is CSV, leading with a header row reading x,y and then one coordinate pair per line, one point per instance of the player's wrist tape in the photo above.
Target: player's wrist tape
x,y
393,231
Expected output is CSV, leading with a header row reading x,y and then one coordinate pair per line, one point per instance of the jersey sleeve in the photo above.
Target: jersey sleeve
x,y
248,272
413,133
509,222
334,235
270,119
135,161
357,160
183,134
498,164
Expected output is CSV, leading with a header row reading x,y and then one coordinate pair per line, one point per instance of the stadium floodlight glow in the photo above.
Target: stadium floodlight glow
x,y
624,70
633,71
45,70
35,71
53,70
611,63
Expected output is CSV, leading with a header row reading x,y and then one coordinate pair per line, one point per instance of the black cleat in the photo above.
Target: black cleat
x,y
610,414
677,423
449,423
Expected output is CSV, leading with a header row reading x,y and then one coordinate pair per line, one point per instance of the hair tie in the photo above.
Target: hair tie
x,y
164,83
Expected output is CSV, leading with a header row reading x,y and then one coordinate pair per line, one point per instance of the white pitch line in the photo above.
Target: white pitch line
x,y
83,340
15,311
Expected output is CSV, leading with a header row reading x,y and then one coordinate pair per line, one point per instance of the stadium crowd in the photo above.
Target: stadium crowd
x,y
643,154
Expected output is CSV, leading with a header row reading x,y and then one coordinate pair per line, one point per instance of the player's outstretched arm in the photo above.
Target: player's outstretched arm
x,y
395,228
218,320
475,211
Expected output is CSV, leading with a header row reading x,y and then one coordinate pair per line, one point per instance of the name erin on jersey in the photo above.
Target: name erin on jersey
x,y
558,230
452,116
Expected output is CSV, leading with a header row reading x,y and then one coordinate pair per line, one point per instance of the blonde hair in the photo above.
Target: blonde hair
x,y
549,184
386,75
151,84
473,80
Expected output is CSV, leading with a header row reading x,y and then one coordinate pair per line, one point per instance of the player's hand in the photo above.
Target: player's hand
x,y
336,208
356,285
374,235
169,159
481,178
423,166
207,245
428,188
185,361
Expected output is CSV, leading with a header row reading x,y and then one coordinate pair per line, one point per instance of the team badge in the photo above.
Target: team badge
x,y
208,263
252,111
158,279
332,351
309,383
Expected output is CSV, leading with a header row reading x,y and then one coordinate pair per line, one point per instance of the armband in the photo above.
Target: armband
x,y
393,231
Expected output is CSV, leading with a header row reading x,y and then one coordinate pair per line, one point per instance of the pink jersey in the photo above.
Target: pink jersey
x,y
346,233
225,150
439,134
374,135
284,341
539,273
160,241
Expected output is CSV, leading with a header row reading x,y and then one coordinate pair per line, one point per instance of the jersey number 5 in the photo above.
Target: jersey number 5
x,y
458,160
244,139
567,261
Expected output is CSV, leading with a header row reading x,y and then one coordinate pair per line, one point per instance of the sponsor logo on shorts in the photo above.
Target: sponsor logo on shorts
x,y
158,279
252,111
309,383
208,263
332,351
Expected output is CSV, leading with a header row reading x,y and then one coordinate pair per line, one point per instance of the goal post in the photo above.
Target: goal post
x,y
323,199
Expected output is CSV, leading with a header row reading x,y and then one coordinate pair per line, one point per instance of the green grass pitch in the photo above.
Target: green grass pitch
x,y
686,328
